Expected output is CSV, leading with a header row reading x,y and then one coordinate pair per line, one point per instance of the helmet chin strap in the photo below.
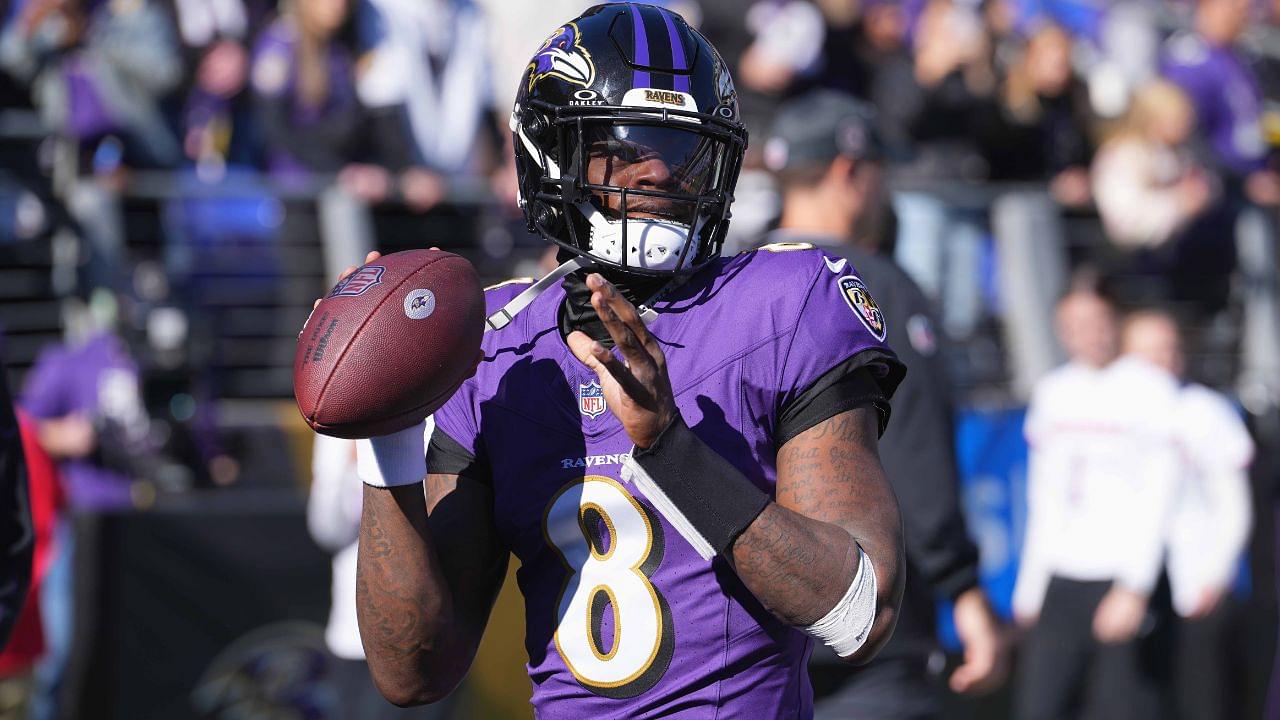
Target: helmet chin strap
x,y
504,315
507,313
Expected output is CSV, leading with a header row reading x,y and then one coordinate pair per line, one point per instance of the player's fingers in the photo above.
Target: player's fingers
x,y
622,335
580,345
629,317
368,258
626,312
595,356
605,365
620,305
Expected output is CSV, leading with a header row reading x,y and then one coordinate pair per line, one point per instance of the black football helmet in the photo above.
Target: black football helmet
x,y
628,141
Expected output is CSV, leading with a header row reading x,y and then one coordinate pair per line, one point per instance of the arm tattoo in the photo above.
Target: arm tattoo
x,y
422,612
800,555
396,592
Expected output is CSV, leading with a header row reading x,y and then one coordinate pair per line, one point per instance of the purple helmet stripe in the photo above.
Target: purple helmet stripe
x,y
677,53
640,78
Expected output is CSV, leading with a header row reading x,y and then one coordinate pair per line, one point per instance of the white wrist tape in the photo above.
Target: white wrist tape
x,y
393,460
846,627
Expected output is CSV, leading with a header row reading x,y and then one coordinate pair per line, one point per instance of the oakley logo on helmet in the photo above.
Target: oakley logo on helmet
x,y
586,97
563,56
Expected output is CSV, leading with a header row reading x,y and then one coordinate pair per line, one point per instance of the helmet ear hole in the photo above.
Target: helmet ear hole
x,y
537,126
548,218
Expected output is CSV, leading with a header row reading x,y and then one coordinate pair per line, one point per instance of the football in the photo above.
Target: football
x,y
389,344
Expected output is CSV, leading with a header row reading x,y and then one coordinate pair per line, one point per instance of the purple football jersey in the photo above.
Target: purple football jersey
x,y
623,617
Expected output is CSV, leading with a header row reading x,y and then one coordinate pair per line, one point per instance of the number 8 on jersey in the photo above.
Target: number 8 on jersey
x,y
613,628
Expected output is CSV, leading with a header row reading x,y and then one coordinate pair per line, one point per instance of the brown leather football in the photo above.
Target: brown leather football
x,y
389,344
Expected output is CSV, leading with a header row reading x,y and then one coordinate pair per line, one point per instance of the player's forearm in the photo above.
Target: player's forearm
x,y
798,567
403,603
834,490
803,556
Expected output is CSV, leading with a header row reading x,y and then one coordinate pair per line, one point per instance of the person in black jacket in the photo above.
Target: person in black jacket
x,y
17,541
825,153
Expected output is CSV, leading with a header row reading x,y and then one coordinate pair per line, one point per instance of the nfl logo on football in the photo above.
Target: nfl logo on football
x,y
359,281
591,399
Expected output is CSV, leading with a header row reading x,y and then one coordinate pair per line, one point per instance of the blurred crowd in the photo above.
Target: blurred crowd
x,y
1031,147
1006,120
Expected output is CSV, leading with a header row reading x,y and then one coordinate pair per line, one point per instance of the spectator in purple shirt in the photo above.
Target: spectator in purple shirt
x,y
85,399
304,84
84,396
1238,232
98,69
1226,95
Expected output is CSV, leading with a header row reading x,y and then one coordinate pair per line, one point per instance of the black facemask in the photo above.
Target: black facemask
x,y
577,314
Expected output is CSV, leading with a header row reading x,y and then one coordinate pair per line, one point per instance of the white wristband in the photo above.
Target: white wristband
x,y
846,627
396,459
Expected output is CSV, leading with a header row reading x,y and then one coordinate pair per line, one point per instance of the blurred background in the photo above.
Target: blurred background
x,y
179,179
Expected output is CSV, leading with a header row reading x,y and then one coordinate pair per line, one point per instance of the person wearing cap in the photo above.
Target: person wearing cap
x,y
825,155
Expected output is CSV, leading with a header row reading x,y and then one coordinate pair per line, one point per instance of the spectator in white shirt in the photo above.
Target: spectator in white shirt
x,y
425,76
1209,528
1100,482
1146,181
333,517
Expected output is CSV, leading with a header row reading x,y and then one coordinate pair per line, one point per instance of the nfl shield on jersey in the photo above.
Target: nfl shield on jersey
x,y
624,618
591,399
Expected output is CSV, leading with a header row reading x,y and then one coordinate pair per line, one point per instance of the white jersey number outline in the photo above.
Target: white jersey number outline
x,y
610,545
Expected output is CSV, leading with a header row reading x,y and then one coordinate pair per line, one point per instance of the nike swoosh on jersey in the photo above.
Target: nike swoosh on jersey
x,y
835,266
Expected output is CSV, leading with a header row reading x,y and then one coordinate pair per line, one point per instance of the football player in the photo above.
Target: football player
x,y
680,448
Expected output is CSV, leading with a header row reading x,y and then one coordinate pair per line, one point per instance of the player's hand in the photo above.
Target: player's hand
x,y
636,388
373,255
1119,616
985,659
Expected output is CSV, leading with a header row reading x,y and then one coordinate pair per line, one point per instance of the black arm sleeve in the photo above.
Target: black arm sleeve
x,y
849,385
17,540
446,456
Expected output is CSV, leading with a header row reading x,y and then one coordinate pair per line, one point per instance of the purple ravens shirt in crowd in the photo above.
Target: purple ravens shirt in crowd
x,y
623,617
98,380
275,78
1226,96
